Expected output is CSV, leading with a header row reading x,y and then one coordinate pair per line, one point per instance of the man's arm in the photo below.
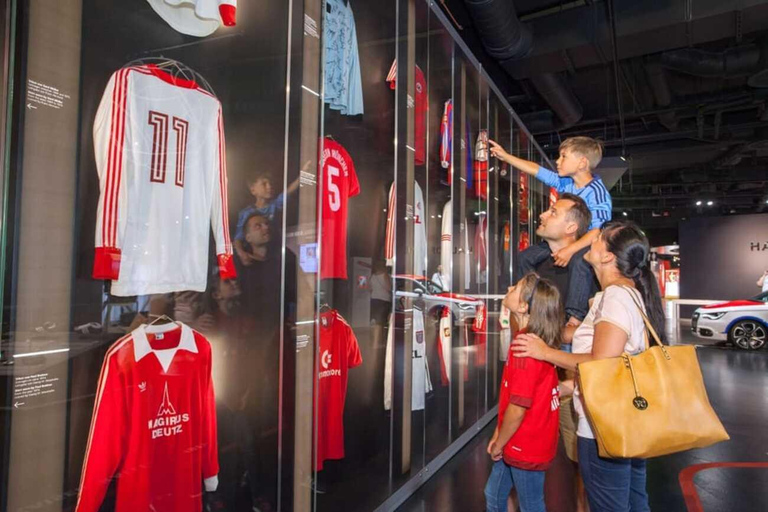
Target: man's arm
x,y
245,258
513,417
564,255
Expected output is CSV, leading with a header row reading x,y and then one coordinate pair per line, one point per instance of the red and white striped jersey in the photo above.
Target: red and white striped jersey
x,y
446,137
419,231
420,108
196,17
481,250
446,244
154,423
161,159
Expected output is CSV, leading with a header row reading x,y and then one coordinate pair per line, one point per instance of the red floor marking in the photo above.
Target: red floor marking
x,y
692,501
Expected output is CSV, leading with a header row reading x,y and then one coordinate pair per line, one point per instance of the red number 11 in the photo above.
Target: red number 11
x,y
158,163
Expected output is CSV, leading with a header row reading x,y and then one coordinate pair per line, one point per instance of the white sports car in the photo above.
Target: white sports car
x,y
742,322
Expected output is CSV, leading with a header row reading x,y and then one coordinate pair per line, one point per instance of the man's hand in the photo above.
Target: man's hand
x,y
245,257
573,322
563,256
497,151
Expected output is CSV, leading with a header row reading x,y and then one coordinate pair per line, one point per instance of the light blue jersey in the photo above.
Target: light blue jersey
x,y
343,83
594,194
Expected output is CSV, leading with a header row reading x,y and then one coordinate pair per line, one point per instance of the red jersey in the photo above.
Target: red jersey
x,y
338,182
531,384
420,107
338,352
154,423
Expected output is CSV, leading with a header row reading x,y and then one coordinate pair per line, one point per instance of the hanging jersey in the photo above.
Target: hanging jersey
x,y
465,249
553,195
480,331
154,423
420,107
343,82
506,253
446,245
419,231
196,17
338,352
445,346
446,138
481,165
524,243
421,383
481,250
161,159
523,199
338,182
505,332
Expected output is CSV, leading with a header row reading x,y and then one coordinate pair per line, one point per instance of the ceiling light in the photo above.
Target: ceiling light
x,y
698,203
624,213
710,203
623,158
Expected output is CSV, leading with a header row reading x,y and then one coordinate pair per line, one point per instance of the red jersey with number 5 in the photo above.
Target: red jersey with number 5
x,y
160,155
338,182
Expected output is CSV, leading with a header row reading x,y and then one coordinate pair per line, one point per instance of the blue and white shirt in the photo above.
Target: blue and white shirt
x,y
595,194
268,211
343,82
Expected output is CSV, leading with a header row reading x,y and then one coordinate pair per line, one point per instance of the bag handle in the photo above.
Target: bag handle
x,y
648,325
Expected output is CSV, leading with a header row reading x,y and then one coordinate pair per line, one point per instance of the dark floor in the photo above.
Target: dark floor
x,y
737,383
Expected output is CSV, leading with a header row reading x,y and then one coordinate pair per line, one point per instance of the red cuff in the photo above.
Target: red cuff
x,y
106,265
227,266
521,401
227,13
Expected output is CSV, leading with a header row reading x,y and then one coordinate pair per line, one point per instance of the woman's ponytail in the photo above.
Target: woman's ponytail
x,y
630,246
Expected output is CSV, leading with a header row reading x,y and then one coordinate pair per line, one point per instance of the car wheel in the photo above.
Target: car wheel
x,y
748,335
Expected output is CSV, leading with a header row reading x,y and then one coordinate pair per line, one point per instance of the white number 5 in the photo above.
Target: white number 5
x,y
334,194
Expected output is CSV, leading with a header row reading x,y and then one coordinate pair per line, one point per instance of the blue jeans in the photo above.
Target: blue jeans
x,y
529,485
582,284
613,485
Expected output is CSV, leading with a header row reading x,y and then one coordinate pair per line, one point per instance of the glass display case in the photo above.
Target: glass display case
x,y
253,253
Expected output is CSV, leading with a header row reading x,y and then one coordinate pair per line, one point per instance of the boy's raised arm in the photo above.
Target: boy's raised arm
x,y
526,166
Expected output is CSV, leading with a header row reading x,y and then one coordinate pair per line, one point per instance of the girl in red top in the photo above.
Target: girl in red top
x,y
525,440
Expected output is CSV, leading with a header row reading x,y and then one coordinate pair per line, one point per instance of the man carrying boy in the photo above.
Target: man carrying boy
x,y
578,157
265,205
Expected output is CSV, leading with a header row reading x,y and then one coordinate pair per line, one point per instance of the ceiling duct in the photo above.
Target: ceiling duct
x,y
506,38
742,60
662,95
556,92
502,33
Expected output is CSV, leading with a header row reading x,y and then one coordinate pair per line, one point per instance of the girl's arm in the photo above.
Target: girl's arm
x,y
513,417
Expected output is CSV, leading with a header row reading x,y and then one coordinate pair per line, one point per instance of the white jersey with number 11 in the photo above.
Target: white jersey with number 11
x,y
160,155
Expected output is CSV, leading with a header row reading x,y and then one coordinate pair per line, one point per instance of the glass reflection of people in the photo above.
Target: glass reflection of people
x,y
381,300
763,281
261,275
441,279
265,204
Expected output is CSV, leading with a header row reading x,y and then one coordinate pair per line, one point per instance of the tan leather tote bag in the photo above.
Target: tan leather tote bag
x,y
650,404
